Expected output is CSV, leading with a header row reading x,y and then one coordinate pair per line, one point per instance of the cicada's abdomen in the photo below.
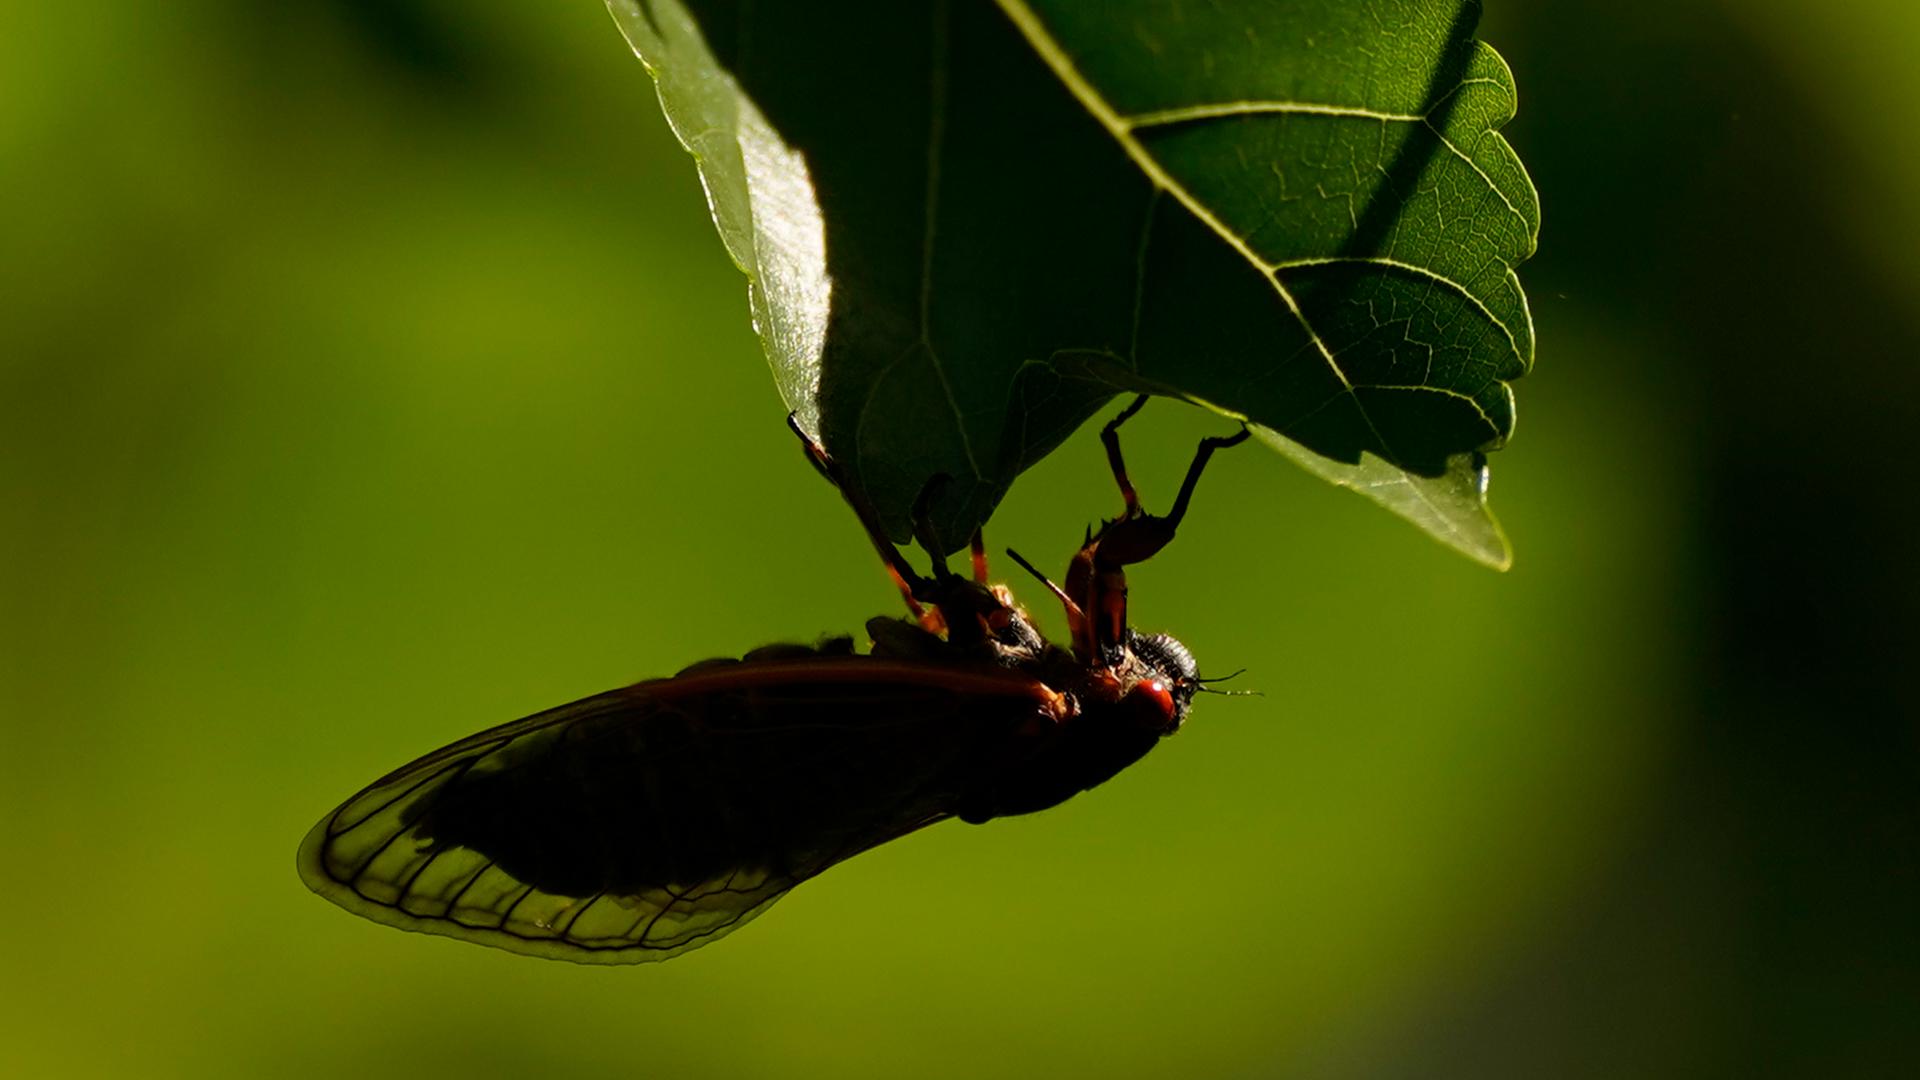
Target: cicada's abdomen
x,y
685,788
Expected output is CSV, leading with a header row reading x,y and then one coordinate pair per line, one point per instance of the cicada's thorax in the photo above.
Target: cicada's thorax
x,y
1111,713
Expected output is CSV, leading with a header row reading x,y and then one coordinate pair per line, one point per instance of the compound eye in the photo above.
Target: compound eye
x,y
1151,700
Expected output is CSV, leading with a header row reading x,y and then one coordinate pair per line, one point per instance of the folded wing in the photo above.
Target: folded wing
x,y
643,822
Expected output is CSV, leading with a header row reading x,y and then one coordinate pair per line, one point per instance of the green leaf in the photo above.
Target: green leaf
x,y
967,225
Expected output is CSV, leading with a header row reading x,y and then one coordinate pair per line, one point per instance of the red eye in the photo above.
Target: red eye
x,y
1152,701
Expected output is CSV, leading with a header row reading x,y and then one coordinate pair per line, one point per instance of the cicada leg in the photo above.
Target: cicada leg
x,y
1207,446
973,612
911,585
1098,572
1110,438
923,528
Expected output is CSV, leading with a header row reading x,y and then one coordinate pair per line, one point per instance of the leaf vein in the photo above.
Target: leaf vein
x,y
936,138
1055,57
1419,271
1220,110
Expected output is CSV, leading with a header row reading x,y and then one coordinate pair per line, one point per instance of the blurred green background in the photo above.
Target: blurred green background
x,y
370,374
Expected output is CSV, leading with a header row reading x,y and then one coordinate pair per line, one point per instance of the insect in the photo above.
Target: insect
x,y
641,823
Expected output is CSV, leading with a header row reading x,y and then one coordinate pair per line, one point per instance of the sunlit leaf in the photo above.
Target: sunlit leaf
x,y
968,224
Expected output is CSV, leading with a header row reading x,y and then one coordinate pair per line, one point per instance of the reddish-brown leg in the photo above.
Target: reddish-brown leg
x,y
1110,438
1207,447
1099,569
910,583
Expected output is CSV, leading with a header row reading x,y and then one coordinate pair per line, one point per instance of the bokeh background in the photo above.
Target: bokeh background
x,y
370,373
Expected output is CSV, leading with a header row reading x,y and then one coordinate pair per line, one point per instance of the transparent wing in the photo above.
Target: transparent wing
x,y
645,822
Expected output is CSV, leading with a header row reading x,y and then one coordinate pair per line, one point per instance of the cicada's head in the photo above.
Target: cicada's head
x,y
1161,678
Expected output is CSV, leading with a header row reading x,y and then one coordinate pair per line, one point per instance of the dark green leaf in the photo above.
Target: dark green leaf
x,y
968,224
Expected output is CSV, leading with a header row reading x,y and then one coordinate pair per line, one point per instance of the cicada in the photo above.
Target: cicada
x,y
643,822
